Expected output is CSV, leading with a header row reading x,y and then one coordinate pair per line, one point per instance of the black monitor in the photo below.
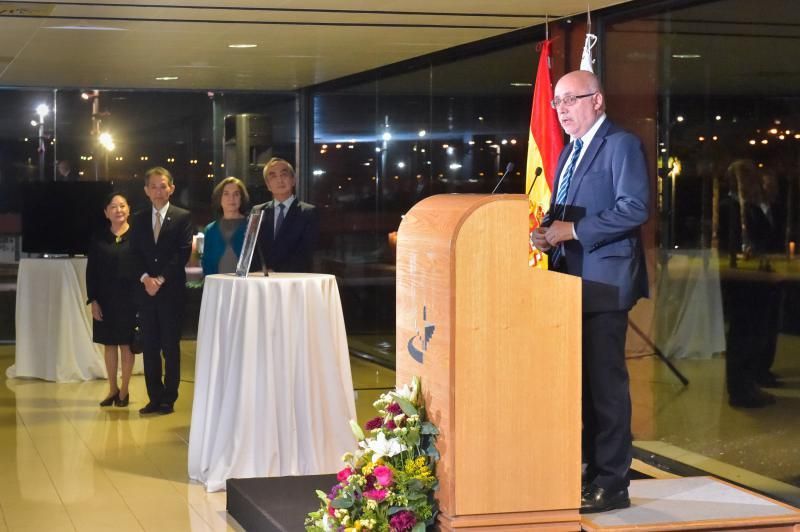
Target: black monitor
x,y
60,217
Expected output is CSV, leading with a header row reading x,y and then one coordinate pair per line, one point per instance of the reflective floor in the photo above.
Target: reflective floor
x,y
66,464
695,424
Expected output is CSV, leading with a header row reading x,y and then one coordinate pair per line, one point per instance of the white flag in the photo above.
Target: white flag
x,y
586,56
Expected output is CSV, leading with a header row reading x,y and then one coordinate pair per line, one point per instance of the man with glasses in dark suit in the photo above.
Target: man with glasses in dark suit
x,y
289,227
601,199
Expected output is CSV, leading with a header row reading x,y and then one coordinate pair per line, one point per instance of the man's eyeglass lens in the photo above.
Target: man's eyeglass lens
x,y
568,100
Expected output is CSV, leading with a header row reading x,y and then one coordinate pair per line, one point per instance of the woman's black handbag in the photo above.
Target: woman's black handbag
x,y
136,338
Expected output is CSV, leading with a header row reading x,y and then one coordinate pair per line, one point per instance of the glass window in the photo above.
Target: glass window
x,y
382,146
710,89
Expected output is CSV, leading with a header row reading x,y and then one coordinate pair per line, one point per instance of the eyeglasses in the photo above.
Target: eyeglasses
x,y
569,100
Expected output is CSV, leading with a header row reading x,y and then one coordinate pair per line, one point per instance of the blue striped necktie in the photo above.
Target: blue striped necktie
x,y
563,185
561,195
280,218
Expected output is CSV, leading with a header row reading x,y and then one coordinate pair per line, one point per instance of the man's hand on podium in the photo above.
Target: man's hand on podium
x,y
539,239
558,232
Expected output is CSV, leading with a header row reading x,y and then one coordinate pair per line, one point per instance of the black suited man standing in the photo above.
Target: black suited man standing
x,y
161,242
289,227
592,230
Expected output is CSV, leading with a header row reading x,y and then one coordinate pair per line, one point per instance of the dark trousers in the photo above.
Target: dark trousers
x,y
752,309
160,320
607,440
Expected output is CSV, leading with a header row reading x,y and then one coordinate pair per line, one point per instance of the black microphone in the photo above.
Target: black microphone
x,y
509,167
536,175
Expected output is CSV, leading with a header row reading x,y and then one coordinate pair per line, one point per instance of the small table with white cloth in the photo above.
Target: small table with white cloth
x,y
273,391
54,324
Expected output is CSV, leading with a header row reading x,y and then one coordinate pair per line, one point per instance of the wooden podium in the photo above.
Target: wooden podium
x,y
498,347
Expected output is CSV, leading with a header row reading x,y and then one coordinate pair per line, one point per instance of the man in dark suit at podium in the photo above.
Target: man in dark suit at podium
x,y
161,241
592,230
289,227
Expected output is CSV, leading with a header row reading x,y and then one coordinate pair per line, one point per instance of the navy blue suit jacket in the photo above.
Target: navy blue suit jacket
x,y
166,258
608,201
293,248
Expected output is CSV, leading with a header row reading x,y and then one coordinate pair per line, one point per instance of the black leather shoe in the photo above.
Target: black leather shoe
x,y
755,398
165,408
108,401
768,379
122,402
596,499
149,408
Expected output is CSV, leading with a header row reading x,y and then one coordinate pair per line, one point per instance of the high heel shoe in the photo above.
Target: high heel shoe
x,y
119,401
110,400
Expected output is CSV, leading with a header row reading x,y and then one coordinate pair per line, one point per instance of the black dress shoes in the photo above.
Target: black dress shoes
x,y
767,379
120,401
596,499
753,397
150,408
110,400
165,408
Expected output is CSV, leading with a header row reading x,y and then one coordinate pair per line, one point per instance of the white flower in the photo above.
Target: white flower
x,y
381,447
410,393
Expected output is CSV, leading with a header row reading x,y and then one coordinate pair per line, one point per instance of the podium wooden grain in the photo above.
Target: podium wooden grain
x,y
501,371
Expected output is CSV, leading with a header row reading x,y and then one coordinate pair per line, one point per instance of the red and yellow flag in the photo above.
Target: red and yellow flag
x,y
544,145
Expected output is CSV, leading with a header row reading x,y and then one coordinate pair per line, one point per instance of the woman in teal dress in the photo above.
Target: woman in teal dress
x,y
224,237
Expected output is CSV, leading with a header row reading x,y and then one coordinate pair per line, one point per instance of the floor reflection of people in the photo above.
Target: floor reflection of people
x,y
751,298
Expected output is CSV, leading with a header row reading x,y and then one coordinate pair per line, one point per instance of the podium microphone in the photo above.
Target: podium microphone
x,y
536,175
509,167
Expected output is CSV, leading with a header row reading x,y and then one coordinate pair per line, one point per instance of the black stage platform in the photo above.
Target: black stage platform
x,y
277,503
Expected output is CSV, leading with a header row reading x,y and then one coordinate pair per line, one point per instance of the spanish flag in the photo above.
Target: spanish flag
x,y
544,145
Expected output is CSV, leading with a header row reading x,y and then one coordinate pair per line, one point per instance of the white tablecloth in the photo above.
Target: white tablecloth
x,y
54,324
689,305
273,391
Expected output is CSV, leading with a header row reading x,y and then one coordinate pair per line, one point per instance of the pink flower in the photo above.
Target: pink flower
x,y
344,474
376,495
394,409
390,425
374,423
402,521
383,475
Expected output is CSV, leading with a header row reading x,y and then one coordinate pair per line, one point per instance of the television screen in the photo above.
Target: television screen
x,y
60,217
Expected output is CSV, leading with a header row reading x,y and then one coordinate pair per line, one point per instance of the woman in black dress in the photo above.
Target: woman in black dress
x,y
110,283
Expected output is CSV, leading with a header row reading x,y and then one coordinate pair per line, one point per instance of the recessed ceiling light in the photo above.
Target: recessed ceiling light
x,y
686,56
520,84
166,78
242,45
85,28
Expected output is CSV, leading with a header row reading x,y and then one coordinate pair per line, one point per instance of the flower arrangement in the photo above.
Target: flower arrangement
x,y
387,485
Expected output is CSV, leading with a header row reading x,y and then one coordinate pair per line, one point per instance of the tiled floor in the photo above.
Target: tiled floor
x,y
66,464
744,445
